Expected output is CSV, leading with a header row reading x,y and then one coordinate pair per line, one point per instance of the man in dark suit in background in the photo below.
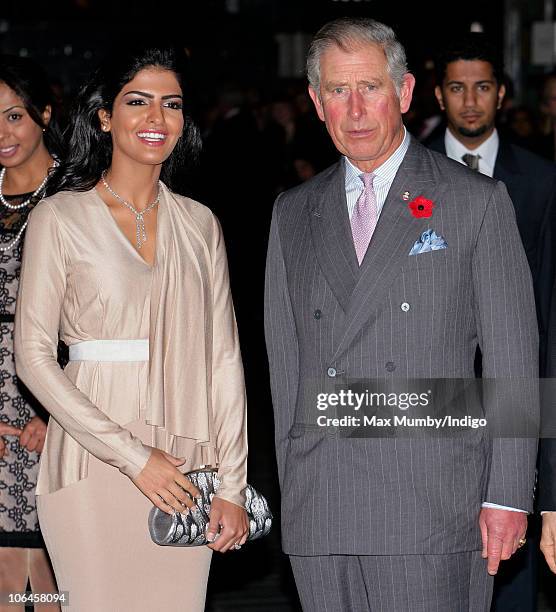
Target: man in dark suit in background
x,y
470,91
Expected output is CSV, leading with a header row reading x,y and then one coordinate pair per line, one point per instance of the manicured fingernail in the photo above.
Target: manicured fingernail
x,y
211,537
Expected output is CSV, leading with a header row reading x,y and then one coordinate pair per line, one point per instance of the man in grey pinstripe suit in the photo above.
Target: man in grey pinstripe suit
x,y
395,523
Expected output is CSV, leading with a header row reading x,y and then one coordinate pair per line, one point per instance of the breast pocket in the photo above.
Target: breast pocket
x,y
442,272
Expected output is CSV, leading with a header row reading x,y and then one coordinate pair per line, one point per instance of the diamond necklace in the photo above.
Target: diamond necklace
x,y
8,247
140,231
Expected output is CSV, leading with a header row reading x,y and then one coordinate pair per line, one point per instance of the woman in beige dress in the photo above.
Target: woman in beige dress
x,y
133,277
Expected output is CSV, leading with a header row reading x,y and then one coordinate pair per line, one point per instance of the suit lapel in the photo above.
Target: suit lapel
x,y
396,232
332,238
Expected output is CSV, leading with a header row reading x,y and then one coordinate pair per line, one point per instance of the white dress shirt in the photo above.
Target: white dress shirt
x,y
384,177
487,151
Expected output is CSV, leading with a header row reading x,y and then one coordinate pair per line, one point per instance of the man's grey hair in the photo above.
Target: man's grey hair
x,y
349,34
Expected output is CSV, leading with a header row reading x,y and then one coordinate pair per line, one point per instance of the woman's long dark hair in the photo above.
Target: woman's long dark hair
x,y
30,83
90,149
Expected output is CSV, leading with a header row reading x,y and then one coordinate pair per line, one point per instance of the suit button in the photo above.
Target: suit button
x,y
317,314
405,306
390,366
331,372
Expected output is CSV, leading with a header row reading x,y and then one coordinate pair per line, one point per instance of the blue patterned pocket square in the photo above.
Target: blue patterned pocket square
x,y
429,241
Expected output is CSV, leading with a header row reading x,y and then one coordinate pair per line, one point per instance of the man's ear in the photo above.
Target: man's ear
x,y
406,92
439,97
501,95
315,97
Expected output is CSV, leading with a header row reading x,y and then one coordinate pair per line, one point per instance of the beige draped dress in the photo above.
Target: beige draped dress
x,y
83,280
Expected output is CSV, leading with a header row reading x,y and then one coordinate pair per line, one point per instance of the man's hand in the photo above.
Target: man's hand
x,y
548,539
501,531
6,430
228,525
33,435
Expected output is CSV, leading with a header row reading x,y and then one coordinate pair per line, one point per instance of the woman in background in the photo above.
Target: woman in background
x,y
29,144
134,279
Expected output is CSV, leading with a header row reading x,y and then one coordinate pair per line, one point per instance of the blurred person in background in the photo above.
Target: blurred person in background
x,y
521,128
423,120
292,145
548,109
30,145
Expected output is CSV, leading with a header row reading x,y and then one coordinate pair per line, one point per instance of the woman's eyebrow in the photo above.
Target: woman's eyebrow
x,y
12,107
151,96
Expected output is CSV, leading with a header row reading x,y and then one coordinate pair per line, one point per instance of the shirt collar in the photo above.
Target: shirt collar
x,y
488,150
384,173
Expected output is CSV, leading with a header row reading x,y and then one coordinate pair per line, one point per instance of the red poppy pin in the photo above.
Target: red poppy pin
x,y
421,207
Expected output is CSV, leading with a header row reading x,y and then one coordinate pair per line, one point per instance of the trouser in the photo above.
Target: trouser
x,y
456,582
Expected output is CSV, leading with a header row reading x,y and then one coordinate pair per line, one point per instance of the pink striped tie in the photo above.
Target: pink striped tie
x,y
364,217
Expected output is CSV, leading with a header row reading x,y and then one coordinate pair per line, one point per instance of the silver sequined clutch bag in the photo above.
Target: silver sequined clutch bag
x,y
188,529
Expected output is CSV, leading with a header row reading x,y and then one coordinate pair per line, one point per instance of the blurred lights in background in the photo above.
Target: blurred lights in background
x,y
232,6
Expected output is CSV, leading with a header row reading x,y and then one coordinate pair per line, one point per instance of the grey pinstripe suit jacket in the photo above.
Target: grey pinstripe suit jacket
x,y
395,495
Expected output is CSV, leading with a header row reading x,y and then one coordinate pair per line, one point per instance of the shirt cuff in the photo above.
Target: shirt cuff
x,y
498,507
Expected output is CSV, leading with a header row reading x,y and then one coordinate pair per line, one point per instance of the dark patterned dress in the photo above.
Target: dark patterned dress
x,y
18,470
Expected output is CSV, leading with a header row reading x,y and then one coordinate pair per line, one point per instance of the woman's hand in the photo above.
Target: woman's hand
x,y
33,435
228,525
548,539
164,484
6,430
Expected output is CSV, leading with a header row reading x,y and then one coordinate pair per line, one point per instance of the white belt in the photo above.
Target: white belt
x,y
110,350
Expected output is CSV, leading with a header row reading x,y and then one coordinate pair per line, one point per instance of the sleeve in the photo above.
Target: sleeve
x,y
41,293
229,402
281,343
508,337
